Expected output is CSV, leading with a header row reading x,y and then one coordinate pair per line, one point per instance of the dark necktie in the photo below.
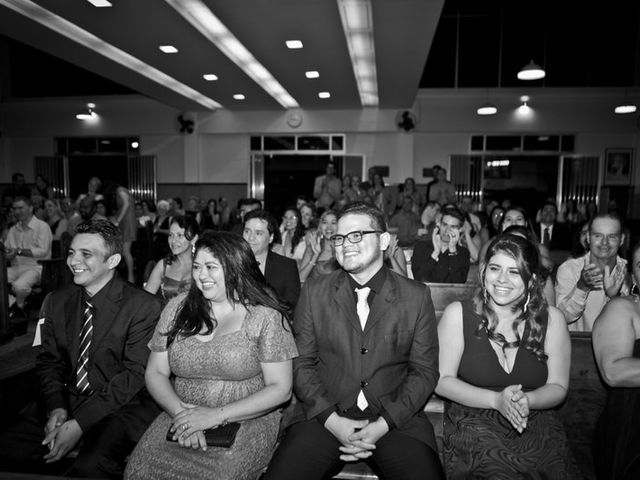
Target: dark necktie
x,y
546,237
362,307
82,374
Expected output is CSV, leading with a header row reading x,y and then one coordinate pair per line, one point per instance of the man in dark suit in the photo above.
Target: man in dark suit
x,y
91,364
368,363
281,273
553,235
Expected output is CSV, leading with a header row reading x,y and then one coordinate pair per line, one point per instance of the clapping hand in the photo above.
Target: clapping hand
x,y
612,280
590,277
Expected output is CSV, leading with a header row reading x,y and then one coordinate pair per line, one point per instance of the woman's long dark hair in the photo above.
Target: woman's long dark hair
x,y
243,280
299,231
533,305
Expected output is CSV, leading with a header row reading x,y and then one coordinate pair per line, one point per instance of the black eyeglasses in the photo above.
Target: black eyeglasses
x,y
353,237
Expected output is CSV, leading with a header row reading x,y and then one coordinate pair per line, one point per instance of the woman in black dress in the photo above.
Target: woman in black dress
x,y
616,344
504,364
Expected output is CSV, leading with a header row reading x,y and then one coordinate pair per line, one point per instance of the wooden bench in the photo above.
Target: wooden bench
x,y
443,294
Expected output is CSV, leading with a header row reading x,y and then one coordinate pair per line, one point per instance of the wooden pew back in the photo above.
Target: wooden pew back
x,y
443,294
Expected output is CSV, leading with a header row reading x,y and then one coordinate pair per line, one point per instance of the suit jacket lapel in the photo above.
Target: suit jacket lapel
x,y
382,303
108,313
72,306
345,301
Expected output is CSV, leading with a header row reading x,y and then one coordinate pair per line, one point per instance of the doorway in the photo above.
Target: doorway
x,y
526,180
288,175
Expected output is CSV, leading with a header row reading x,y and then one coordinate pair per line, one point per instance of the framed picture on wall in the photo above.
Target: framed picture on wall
x,y
617,166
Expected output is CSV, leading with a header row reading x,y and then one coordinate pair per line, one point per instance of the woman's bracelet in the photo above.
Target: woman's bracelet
x,y
225,420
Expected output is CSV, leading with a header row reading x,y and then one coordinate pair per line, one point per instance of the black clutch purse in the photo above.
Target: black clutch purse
x,y
222,436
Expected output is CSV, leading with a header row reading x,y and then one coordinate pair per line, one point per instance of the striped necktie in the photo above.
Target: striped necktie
x,y
82,373
362,307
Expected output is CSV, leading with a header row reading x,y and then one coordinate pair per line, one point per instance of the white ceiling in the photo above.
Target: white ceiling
x,y
403,32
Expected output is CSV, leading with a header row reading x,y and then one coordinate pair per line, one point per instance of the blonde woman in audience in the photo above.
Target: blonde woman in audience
x,y
172,275
55,218
504,365
616,344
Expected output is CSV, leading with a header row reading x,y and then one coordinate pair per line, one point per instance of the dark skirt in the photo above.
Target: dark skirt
x,y
617,437
480,443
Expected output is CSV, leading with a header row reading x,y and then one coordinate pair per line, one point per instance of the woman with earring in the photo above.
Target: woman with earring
x,y
292,232
616,344
220,355
318,256
504,365
172,274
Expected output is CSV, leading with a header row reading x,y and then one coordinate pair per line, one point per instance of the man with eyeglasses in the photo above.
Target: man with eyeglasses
x,y
585,284
368,363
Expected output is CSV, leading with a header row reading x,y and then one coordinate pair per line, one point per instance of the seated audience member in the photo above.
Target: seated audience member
x,y
383,197
616,344
28,241
292,232
551,233
244,206
309,216
430,219
18,188
406,222
340,417
492,227
281,273
161,226
220,353
148,210
55,218
443,260
194,209
318,257
409,190
90,366
467,206
584,285
580,240
504,364
172,274
349,190
211,218
394,257
93,188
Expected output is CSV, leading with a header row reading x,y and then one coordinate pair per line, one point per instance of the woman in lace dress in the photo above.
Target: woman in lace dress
x,y
220,353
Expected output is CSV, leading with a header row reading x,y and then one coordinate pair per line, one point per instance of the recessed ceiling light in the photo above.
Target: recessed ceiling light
x,y
625,108
311,74
324,95
168,49
100,3
293,44
238,96
210,77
